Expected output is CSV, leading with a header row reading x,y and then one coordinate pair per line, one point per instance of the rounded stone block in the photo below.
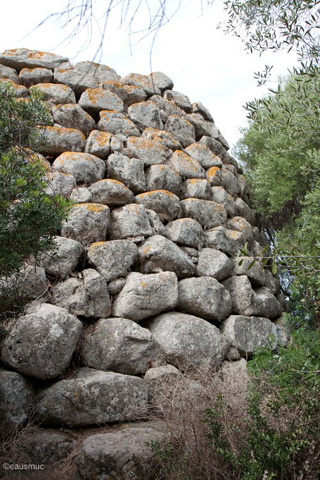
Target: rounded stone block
x,y
185,231
204,297
209,214
87,223
41,343
120,345
110,192
146,295
93,397
84,167
163,202
185,165
188,341
113,259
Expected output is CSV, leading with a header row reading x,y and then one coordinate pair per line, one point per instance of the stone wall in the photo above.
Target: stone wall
x,y
144,278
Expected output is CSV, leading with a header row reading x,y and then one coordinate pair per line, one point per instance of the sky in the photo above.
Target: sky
x,y
204,63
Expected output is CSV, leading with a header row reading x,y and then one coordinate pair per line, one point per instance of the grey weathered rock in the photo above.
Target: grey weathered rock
x,y
116,122
214,176
185,165
128,93
203,155
202,127
9,73
115,286
166,108
163,202
196,188
113,259
146,113
181,129
86,295
84,167
179,99
55,93
142,81
228,241
230,182
151,152
146,295
209,214
120,345
60,183
45,447
130,221
197,107
249,333
87,223
219,195
16,401
41,343
84,75
19,91
157,226
98,144
110,192
32,76
266,304
62,260
272,282
204,297
250,267
188,341
163,177
73,116
57,140
130,171
19,58
162,81
93,397
241,225
158,254
243,210
125,454
81,195
93,100
28,283
241,293
185,231
213,263
215,146
166,138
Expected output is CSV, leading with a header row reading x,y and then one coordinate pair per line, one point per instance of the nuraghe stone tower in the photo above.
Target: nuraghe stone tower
x,y
144,283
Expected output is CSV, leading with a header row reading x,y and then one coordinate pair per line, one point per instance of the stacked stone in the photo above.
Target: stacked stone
x,y
146,258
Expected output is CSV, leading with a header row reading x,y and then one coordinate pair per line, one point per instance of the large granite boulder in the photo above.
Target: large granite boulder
x,y
120,345
93,397
146,295
204,297
188,341
16,402
41,342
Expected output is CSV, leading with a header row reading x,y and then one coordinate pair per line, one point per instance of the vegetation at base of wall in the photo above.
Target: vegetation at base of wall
x,y
278,436
29,217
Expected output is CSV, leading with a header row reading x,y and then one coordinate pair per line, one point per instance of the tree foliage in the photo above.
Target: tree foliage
x,y
281,153
28,215
277,25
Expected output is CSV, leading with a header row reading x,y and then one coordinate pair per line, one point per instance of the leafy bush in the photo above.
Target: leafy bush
x,y
29,217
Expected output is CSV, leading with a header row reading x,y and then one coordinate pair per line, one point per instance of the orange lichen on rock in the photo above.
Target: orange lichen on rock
x,y
92,207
